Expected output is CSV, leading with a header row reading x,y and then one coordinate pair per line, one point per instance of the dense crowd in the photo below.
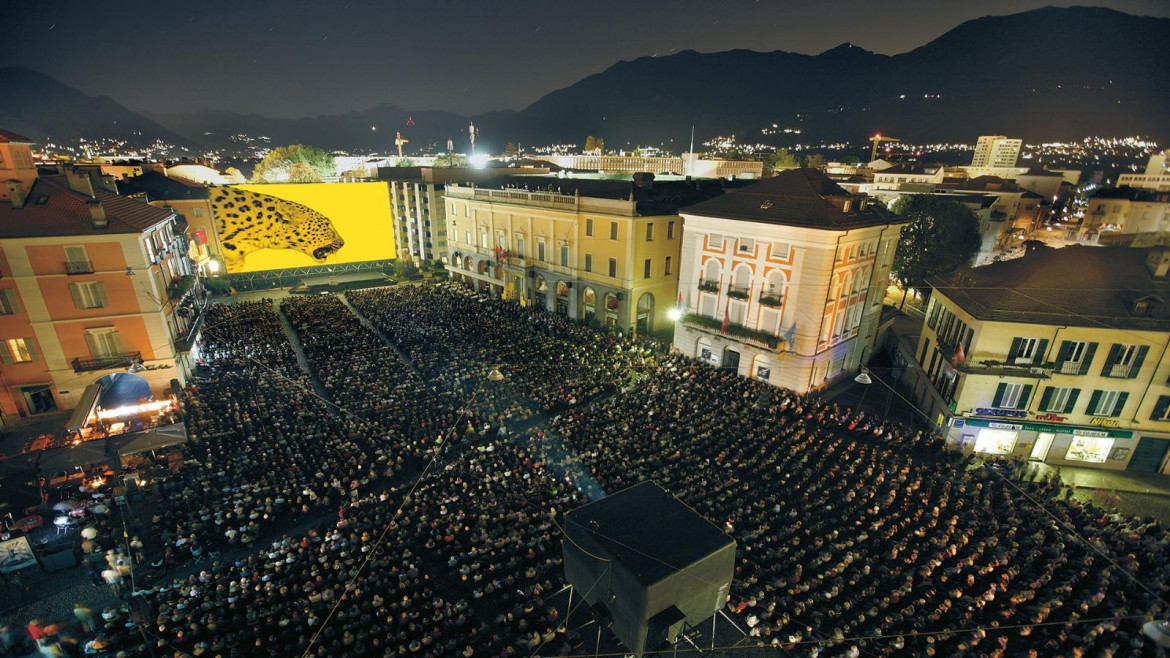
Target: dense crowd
x,y
853,536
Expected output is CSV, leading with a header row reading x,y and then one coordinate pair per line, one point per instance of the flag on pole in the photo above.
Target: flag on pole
x,y
726,319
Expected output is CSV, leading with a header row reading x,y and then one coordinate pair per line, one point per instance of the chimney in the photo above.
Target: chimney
x,y
15,193
79,181
97,213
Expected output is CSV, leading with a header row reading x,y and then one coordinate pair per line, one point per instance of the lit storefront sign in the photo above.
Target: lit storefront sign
x,y
1002,413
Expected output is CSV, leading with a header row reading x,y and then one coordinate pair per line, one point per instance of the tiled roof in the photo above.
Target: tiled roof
x,y
795,197
7,136
1075,286
52,209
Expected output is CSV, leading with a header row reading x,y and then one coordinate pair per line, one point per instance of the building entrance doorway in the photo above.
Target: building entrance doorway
x,y
1043,443
38,399
731,360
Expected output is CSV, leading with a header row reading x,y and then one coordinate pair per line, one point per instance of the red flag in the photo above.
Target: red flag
x,y
726,320
680,299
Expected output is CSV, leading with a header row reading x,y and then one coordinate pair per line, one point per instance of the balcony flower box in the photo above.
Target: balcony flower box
x,y
709,286
775,301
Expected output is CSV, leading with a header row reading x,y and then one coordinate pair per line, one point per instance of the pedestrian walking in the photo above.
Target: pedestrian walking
x,y
85,616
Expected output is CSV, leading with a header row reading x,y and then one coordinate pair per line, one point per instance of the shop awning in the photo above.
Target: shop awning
x,y
84,407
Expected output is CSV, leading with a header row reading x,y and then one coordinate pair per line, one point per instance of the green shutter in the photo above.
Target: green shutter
x,y
967,341
5,353
1160,408
1120,405
999,390
1027,393
1137,361
1090,351
1015,349
1093,400
1063,352
116,340
1072,400
91,342
31,344
103,300
1111,359
75,290
1046,398
1041,350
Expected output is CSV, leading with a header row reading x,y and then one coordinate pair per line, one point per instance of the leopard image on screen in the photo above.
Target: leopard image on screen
x,y
249,221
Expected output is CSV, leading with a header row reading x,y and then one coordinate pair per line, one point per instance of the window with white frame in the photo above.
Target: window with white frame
x,y
1107,403
1011,396
90,294
1026,351
746,245
105,341
715,240
1059,399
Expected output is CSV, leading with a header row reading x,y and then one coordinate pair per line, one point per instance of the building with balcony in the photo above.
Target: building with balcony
x,y
783,280
191,202
1156,176
91,283
1058,356
1119,215
996,151
688,164
603,251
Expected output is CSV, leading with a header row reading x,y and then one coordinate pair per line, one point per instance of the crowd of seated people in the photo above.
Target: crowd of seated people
x,y
854,536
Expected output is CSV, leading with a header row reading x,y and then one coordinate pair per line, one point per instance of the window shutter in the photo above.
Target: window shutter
x,y
1062,354
1046,398
5,353
1041,350
1093,400
116,341
101,294
31,345
1015,349
1024,395
1137,361
1088,359
1120,405
999,390
91,342
1072,400
967,341
1160,408
75,290
1111,359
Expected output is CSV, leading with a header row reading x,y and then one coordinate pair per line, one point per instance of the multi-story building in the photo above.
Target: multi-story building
x,y
192,203
1156,176
1116,215
996,151
1018,358
91,283
416,204
688,164
603,251
783,280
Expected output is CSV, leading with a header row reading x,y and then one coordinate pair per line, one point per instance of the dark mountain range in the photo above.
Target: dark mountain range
x,y
1044,75
44,109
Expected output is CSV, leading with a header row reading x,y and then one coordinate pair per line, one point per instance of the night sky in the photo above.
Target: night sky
x,y
295,58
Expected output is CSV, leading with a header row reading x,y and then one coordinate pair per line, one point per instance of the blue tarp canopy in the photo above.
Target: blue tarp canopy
x,y
122,388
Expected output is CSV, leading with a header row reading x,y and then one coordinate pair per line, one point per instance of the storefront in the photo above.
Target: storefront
x,y
1049,443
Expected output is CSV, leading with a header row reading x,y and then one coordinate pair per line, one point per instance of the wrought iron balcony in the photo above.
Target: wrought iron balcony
x,y
709,285
78,267
106,362
738,292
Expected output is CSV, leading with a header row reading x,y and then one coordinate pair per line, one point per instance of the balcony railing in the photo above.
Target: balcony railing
x,y
738,292
1070,368
709,285
775,301
78,267
1120,370
761,339
106,362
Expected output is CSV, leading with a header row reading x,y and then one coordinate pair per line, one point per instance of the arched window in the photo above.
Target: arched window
x,y
588,303
644,323
711,273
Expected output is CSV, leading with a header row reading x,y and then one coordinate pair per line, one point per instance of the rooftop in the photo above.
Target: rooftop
x,y
647,530
797,197
52,209
1074,286
9,137
658,197
1131,193
160,187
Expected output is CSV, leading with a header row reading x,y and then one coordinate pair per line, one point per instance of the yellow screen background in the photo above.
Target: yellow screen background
x,y
360,212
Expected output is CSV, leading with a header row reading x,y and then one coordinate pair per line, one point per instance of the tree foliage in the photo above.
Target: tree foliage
x,y
780,160
404,162
511,149
234,176
815,161
941,236
303,172
277,166
594,144
450,160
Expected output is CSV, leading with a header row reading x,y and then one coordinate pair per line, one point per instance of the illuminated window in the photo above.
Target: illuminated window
x,y
1092,449
19,350
995,442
